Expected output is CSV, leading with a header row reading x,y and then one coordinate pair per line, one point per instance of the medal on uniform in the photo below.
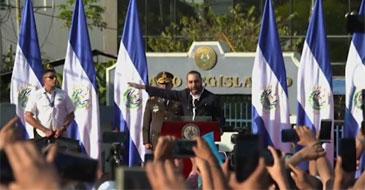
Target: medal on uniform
x,y
155,108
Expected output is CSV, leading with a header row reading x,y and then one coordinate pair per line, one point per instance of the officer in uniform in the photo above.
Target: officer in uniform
x,y
159,110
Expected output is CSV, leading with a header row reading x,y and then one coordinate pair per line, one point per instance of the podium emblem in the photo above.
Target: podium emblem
x,y
189,131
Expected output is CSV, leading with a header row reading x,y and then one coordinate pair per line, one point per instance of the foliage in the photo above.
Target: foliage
x,y
334,11
93,11
101,79
155,15
8,60
239,29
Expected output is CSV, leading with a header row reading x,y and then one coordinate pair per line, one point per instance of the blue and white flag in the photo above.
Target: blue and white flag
x,y
129,102
315,97
270,111
28,69
79,81
355,82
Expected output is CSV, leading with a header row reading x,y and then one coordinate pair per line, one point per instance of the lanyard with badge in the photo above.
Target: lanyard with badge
x,y
52,99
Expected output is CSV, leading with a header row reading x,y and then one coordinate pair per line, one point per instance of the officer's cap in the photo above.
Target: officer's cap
x,y
164,78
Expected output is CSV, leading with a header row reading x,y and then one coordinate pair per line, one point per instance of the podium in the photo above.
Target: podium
x,y
190,129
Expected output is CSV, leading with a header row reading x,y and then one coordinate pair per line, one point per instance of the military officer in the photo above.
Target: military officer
x,y
159,110
196,100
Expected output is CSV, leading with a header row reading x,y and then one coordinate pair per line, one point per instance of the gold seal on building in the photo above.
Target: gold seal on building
x,y
205,58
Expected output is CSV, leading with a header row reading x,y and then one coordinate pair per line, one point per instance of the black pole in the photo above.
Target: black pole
x,y
362,127
363,104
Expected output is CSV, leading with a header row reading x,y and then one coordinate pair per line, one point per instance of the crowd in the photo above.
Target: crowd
x,y
34,171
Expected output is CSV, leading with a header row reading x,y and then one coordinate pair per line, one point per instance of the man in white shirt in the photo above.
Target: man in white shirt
x,y
49,109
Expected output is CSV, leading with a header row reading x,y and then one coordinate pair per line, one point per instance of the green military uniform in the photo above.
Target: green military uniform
x,y
159,110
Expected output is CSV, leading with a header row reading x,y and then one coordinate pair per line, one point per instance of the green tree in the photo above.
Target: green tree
x,y
93,11
155,15
94,14
101,80
8,62
334,11
239,29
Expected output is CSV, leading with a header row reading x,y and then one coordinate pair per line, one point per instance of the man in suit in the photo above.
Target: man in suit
x,y
159,110
196,100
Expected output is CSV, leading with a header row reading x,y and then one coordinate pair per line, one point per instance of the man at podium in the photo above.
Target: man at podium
x,y
196,100
159,110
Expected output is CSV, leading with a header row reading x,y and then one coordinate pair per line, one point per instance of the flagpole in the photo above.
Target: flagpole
x,y
1,49
18,16
311,9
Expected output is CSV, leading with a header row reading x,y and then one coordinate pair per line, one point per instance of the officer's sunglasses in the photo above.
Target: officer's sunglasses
x,y
51,77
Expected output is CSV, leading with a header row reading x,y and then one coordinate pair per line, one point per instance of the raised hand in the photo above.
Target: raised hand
x,y
31,170
277,170
205,172
203,151
360,182
8,134
163,175
306,136
254,181
164,147
342,178
136,85
311,152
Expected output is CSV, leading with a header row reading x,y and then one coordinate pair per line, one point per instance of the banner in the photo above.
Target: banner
x,y
129,102
28,70
315,97
79,81
270,111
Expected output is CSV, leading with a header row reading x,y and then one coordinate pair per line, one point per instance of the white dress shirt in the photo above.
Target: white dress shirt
x,y
195,97
50,109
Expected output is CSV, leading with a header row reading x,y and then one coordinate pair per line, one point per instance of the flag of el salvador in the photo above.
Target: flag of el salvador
x,y
270,111
28,69
79,81
314,93
130,103
355,82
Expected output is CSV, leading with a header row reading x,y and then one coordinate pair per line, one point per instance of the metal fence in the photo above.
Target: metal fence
x,y
237,112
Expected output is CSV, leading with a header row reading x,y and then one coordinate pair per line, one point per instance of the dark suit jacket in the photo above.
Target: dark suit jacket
x,y
156,112
207,105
